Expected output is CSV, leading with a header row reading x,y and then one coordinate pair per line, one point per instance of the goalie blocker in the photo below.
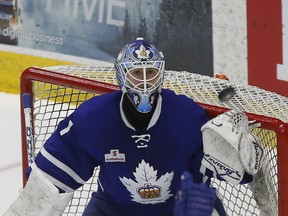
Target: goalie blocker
x,y
230,149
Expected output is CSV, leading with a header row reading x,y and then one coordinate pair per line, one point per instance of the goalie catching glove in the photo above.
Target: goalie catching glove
x,y
229,148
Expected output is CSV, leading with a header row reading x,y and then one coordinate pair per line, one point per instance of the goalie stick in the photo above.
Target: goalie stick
x,y
26,100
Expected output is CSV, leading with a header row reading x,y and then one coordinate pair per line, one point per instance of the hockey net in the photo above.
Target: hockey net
x,y
57,91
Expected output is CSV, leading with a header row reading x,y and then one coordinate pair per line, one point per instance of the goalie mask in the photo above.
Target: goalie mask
x,y
139,71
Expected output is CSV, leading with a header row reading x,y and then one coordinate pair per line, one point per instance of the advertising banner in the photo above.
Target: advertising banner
x,y
246,40
98,29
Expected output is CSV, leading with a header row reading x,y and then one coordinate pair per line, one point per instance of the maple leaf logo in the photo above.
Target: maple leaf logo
x,y
146,189
142,53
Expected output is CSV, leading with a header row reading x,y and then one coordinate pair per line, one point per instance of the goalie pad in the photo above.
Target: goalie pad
x,y
229,148
39,197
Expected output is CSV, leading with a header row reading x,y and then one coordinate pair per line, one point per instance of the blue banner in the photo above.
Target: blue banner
x,y
99,28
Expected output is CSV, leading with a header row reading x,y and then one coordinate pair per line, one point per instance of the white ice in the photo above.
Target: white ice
x,y
10,150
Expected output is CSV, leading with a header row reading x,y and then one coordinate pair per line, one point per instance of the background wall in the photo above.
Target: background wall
x,y
242,39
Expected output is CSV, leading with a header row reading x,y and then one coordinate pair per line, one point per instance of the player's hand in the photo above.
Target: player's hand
x,y
194,199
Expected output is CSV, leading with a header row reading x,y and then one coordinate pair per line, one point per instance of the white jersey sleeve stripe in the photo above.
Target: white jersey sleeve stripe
x,y
54,181
66,130
62,166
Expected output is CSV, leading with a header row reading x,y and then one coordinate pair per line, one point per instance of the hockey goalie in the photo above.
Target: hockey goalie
x,y
156,150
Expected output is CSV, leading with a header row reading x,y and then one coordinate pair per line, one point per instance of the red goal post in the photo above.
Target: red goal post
x,y
57,91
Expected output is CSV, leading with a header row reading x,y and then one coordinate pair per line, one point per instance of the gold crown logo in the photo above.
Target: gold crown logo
x,y
149,191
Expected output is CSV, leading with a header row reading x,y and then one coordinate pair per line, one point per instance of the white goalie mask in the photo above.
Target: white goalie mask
x,y
139,71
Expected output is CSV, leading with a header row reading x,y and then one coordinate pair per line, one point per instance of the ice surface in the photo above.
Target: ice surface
x,y
10,153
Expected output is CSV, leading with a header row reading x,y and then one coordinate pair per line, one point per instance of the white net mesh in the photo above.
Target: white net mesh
x,y
53,102
201,88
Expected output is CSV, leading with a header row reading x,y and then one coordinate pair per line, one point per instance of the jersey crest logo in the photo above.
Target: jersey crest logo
x,y
147,189
115,156
141,140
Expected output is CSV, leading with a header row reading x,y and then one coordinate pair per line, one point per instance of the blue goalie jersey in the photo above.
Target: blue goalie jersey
x,y
139,170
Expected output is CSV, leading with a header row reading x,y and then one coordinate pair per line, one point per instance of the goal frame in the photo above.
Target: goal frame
x,y
36,74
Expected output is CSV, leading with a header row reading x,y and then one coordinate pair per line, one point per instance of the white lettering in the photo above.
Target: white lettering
x,y
88,11
101,11
72,7
110,20
67,8
48,5
75,8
